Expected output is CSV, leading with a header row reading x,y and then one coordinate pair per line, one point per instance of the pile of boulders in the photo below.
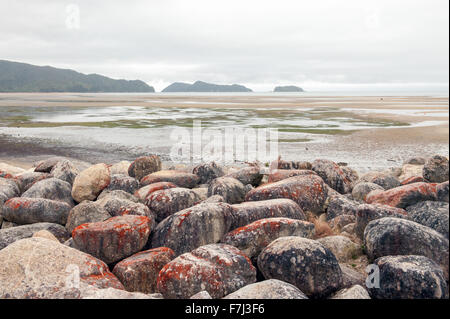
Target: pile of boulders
x,y
298,230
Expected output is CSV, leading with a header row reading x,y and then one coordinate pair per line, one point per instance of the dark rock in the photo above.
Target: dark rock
x,y
51,188
309,192
26,180
86,212
431,214
124,183
232,190
114,239
248,175
35,210
340,205
248,212
409,277
280,174
144,165
351,277
435,169
350,174
442,192
208,172
280,164
140,271
416,160
333,175
404,196
169,201
65,170
385,180
361,190
9,188
268,289
366,213
10,235
253,238
303,262
393,236
179,178
205,223
218,269
46,166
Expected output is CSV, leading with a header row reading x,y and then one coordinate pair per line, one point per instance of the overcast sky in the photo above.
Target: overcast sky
x,y
320,44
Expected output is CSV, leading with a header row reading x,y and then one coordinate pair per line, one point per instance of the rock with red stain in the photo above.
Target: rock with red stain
x,y
35,210
169,201
293,165
28,179
268,289
113,239
232,190
404,196
435,169
9,188
13,234
65,170
280,174
86,212
90,182
42,268
124,183
179,178
333,175
208,172
218,269
393,236
302,262
205,223
143,192
309,192
366,213
253,238
248,212
140,271
361,190
412,179
51,188
385,180
248,175
144,165
442,192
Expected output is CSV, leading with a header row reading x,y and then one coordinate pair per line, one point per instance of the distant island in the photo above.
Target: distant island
x,y
200,86
289,88
22,77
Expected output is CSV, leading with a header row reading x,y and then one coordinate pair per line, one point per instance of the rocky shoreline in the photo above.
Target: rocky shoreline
x,y
295,230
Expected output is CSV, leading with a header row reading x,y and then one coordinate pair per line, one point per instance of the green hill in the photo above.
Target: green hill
x,y
200,86
22,77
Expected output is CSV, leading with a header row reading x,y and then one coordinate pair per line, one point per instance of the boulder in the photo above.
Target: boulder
x,y
385,180
354,292
28,179
303,262
85,212
361,190
144,192
412,180
342,247
208,172
280,174
309,192
339,222
409,277
350,174
232,190
9,188
248,175
116,194
416,160
65,170
46,166
90,182
42,268
340,205
114,239
144,165
435,169
179,178
22,210
218,269
431,214
120,168
268,289
10,170
333,175
442,192
393,236
248,212
205,223
366,213
169,201
280,164
45,234
124,183
51,188
404,196
138,273
410,171
351,277
13,234
253,238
